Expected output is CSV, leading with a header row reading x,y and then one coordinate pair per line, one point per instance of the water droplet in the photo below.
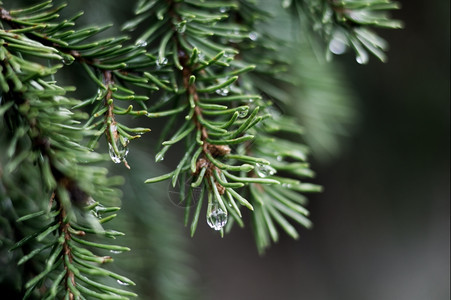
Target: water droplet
x,y
264,170
121,282
67,60
122,151
287,185
115,251
161,61
223,9
253,36
222,92
98,209
243,113
337,46
362,58
141,43
279,158
217,218
99,92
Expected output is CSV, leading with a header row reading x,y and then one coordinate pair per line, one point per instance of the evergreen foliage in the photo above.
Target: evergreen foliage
x,y
225,86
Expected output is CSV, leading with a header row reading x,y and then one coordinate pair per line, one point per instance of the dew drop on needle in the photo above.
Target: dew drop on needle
x,y
217,218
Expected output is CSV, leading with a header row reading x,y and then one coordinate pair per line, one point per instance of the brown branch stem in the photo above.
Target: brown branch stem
x,y
214,150
64,231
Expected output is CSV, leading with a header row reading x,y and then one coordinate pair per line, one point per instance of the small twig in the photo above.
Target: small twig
x,y
64,231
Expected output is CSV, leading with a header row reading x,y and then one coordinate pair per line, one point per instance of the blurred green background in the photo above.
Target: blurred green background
x,y
382,226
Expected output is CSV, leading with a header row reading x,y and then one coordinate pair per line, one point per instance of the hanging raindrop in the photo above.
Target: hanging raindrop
x,y
67,60
217,218
339,43
264,170
337,46
362,58
122,151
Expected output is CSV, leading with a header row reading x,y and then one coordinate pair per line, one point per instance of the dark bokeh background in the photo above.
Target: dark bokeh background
x,y
382,226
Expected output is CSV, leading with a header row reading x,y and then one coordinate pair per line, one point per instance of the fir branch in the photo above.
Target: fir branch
x,y
211,165
213,68
46,132
204,67
348,24
106,58
117,146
